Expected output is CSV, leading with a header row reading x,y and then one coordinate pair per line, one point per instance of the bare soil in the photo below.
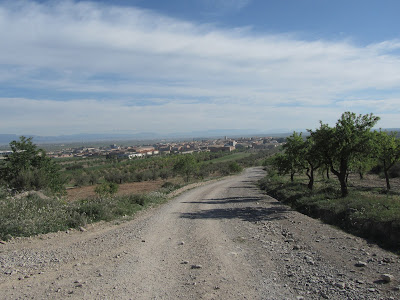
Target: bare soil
x,y
373,181
222,240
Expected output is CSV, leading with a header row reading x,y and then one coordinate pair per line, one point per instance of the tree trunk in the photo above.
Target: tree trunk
x,y
311,179
342,176
327,173
385,170
291,176
343,185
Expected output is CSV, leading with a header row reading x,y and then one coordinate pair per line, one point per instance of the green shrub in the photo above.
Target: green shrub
x,y
148,175
30,215
29,168
97,209
235,168
165,173
106,189
74,167
81,179
139,177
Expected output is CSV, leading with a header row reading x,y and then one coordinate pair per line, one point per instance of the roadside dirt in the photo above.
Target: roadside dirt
x,y
222,240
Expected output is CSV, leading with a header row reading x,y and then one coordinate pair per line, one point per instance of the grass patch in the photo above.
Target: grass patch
x,y
110,208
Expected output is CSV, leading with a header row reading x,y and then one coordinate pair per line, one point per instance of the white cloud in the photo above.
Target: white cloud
x,y
195,71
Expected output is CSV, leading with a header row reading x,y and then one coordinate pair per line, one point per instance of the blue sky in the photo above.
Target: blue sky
x,y
170,66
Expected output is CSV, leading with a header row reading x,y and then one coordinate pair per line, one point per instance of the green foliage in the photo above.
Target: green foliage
x,y
349,141
350,146
234,167
93,178
343,148
351,138
107,208
394,172
280,163
81,179
165,173
293,160
28,168
90,171
106,189
186,166
74,167
362,164
387,152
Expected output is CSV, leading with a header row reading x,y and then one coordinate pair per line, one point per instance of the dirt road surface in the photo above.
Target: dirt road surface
x,y
223,240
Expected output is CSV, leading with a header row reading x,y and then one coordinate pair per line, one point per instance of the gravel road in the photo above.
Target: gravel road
x,y
222,240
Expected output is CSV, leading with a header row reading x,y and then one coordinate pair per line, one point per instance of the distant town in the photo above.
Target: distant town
x,y
162,148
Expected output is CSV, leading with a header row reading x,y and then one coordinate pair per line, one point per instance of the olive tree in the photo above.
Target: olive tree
x,y
387,152
314,159
340,145
186,166
291,161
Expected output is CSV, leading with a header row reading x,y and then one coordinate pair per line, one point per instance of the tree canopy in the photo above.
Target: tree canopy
x,y
293,161
386,151
343,144
349,144
28,168
186,166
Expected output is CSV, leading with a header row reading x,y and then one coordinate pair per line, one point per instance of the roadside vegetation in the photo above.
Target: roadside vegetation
x,y
33,187
33,213
91,171
28,168
342,175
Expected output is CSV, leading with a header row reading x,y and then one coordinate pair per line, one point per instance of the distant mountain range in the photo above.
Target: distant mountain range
x,y
5,139
90,137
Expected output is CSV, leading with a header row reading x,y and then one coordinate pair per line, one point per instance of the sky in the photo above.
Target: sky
x,y
121,66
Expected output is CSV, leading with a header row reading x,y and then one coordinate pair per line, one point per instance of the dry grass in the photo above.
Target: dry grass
x,y
86,192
